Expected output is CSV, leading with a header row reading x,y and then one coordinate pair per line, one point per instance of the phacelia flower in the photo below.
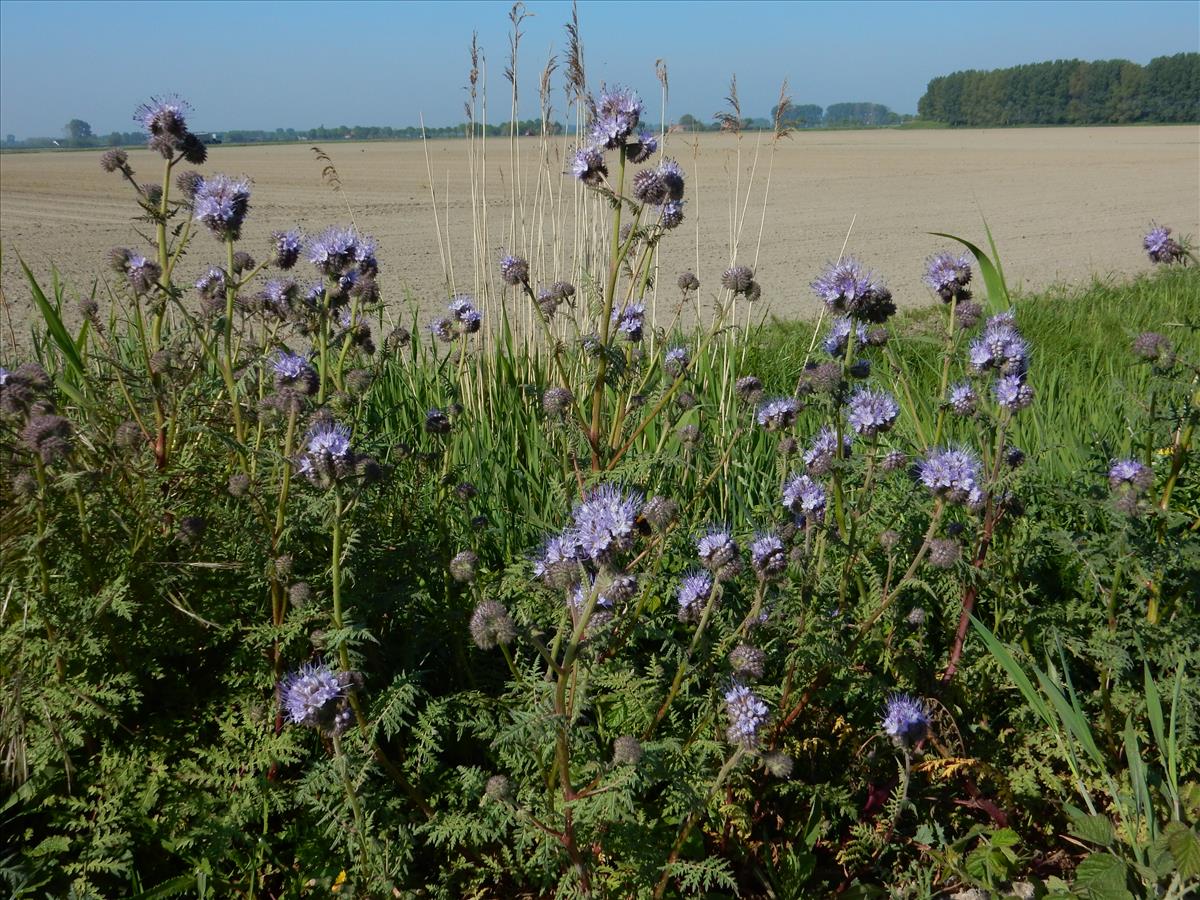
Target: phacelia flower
x,y
627,751
617,114
1000,347
1012,393
645,147
948,275
142,273
491,625
767,555
747,715
670,214
188,183
747,662
823,451
557,563
905,720
630,321
1154,347
277,297
604,522
688,282
436,421
1161,247
676,360
671,174
587,164
895,460
294,371
944,553
872,412
211,285
962,399
222,203
840,331
693,594
288,245
49,436
777,414
1129,473
967,315
846,287
804,497
114,159
556,401
748,388
952,473
328,455
333,250
718,551
649,187
737,279
514,270
311,695
462,308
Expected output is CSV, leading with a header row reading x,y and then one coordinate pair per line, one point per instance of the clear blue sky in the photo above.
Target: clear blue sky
x,y
268,65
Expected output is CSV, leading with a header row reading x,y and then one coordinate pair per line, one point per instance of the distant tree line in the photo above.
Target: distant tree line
x,y
1069,92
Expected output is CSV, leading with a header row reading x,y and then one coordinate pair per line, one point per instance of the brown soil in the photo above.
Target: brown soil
x,y
1063,204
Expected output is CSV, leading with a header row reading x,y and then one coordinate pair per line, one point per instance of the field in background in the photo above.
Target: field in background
x,y
1063,203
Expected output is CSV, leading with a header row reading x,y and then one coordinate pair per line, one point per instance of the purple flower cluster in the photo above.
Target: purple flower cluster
x,y
872,412
840,330
1161,247
948,276
905,720
288,245
587,165
693,594
328,456
221,203
615,117
1012,393
804,497
747,714
952,473
846,287
676,360
630,321
165,121
311,695
768,556
777,413
820,455
604,522
716,549
1000,347
1129,473
963,399
466,318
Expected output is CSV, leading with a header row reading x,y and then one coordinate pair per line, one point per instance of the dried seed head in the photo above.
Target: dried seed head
x,y
498,789
114,159
491,625
239,484
737,279
299,594
747,662
465,566
627,751
944,553
688,282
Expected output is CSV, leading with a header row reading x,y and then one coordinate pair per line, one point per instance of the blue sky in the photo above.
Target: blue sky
x,y
299,64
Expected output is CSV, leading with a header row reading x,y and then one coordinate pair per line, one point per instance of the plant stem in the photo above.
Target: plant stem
x,y
351,795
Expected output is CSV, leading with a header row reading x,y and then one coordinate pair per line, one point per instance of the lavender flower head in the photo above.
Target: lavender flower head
x,y
999,347
777,414
840,331
462,308
645,147
676,360
804,497
716,548
328,455
630,321
905,720
952,473
693,594
222,203
747,715
288,245
514,270
872,412
290,366
1012,393
1131,474
767,555
617,114
963,399
334,250
670,214
671,174
846,287
587,164
948,275
163,117
820,455
311,695
604,521
211,285
142,273
557,563
1161,247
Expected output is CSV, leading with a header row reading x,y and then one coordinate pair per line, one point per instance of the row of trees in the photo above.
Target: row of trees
x,y
1069,92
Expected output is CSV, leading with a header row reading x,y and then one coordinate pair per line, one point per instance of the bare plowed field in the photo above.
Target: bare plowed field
x,y
1063,204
